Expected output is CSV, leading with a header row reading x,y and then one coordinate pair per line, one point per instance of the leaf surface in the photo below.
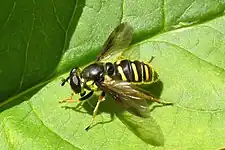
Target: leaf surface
x,y
42,40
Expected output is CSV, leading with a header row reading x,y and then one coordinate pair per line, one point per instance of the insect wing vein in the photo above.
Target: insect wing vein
x,y
130,95
118,40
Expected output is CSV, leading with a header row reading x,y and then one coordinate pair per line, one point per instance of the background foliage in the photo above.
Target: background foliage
x,y
41,40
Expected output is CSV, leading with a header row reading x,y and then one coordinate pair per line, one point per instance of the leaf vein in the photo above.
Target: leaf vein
x,y
122,9
6,132
189,53
163,14
213,29
10,15
185,11
69,24
201,110
35,113
57,17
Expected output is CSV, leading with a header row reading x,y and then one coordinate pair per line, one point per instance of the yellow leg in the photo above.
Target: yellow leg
x,y
100,99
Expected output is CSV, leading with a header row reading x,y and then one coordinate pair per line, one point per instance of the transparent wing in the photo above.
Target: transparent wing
x,y
118,40
131,96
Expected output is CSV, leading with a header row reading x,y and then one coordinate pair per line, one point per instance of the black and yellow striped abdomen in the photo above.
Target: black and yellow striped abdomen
x,y
134,71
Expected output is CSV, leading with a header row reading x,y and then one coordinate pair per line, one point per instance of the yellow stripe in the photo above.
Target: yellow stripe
x,y
142,72
118,62
146,73
135,71
153,72
120,70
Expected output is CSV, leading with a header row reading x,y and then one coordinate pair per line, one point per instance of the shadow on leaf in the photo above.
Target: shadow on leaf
x,y
146,129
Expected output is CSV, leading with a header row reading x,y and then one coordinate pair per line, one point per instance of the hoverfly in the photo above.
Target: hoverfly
x,y
119,79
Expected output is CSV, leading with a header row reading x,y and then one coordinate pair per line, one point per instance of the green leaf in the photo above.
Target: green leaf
x,y
42,40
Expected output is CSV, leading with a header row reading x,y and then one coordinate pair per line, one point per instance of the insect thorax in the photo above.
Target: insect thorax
x,y
132,71
91,85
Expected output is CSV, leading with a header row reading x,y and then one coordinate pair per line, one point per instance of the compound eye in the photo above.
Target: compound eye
x,y
73,71
75,84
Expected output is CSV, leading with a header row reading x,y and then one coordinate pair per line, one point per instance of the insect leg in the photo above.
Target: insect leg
x,y
100,99
86,96
152,58
69,100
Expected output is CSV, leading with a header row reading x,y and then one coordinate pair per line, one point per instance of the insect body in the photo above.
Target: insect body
x,y
118,79
136,71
